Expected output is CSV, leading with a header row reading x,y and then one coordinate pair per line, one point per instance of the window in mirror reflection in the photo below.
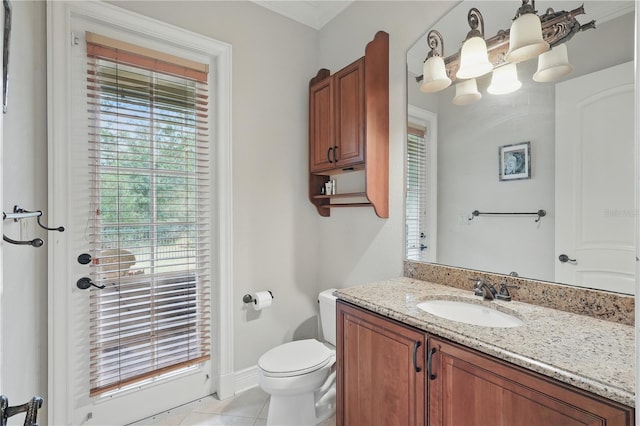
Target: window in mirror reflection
x,y
416,202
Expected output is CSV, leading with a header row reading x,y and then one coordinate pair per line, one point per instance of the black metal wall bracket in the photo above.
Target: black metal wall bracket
x,y
31,408
20,213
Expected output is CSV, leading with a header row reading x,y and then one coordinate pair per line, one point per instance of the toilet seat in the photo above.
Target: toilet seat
x,y
295,358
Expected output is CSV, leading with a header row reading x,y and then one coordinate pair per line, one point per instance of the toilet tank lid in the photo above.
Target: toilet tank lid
x,y
297,356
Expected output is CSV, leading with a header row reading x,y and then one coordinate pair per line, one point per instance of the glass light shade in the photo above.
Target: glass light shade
x,y
525,38
434,75
474,60
504,80
553,64
466,92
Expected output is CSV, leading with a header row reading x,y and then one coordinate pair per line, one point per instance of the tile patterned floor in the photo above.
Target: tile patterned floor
x,y
248,408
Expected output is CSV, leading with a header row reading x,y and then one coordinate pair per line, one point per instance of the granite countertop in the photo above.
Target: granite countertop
x,y
588,353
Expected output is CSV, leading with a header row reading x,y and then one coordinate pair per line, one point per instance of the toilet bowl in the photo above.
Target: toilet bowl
x,y
300,375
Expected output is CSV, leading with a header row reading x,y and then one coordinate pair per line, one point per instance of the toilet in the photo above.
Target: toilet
x,y
300,376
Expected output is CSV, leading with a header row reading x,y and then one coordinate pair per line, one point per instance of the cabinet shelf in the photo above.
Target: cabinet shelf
x,y
348,195
330,206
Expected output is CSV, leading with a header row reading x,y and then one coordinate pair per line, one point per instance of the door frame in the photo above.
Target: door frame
x,y
59,41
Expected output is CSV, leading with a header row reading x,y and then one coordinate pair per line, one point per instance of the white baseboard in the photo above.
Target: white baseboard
x,y
246,379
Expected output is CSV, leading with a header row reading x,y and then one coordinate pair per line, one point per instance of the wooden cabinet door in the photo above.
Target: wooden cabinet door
x,y
470,388
349,115
321,126
381,377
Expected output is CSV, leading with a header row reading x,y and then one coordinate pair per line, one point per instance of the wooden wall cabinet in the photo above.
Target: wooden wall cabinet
x,y
386,377
336,120
321,123
349,128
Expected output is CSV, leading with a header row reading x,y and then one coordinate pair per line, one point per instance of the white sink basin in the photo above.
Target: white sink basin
x,y
470,313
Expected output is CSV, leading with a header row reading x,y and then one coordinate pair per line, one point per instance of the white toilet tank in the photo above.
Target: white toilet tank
x,y
327,303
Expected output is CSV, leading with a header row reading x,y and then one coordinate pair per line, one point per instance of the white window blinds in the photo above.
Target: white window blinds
x,y
416,195
150,206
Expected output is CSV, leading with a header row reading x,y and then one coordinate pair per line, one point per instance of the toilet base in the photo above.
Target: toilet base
x,y
300,410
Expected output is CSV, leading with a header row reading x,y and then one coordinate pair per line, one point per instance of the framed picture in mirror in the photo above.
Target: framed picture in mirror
x,y
515,161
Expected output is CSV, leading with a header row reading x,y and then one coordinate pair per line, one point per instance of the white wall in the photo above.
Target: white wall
x,y
356,245
24,299
468,175
280,243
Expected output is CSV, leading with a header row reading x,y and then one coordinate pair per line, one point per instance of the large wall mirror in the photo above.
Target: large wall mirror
x,y
564,147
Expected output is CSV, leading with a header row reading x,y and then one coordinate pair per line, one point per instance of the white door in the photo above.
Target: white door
x,y
595,216
70,401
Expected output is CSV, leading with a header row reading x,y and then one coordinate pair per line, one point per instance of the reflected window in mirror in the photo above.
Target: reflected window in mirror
x,y
416,191
420,193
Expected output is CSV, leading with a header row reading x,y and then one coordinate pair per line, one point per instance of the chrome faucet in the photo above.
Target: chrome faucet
x,y
487,291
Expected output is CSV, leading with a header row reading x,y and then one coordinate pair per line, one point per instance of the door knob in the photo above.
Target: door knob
x,y
85,282
564,259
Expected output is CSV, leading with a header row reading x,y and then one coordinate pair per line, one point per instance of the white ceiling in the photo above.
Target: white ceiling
x,y
314,13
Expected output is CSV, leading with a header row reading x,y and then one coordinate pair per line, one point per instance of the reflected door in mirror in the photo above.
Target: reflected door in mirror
x,y
595,180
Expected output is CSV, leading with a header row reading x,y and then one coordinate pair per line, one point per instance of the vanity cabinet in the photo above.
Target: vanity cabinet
x,y
386,377
349,130
381,374
471,388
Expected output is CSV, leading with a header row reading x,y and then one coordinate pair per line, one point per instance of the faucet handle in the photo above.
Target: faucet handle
x,y
477,290
504,294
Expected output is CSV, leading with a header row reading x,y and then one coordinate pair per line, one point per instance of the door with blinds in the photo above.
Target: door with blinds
x,y
139,228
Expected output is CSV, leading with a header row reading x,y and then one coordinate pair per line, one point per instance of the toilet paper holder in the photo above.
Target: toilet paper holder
x,y
247,298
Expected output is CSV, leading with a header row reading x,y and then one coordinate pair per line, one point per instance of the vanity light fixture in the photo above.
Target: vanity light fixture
x,y
553,64
466,92
434,70
525,37
474,59
531,35
504,80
